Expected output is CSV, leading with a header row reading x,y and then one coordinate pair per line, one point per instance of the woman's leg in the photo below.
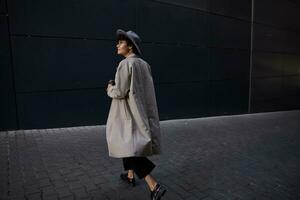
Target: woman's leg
x,y
150,181
127,164
130,173
142,166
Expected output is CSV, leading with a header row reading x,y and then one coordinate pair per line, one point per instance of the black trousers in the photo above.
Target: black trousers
x,y
142,166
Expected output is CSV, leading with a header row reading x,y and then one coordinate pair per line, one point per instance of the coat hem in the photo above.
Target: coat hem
x,y
132,155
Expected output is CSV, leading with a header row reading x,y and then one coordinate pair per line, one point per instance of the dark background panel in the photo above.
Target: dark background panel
x,y
278,13
269,39
275,40
264,89
291,64
292,42
3,7
267,105
229,33
195,4
229,64
8,115
175,100
8,118
276,62
59,63
177,63
229,97
290,85
173,24
61,109
290,102
233,8
267,64
73,18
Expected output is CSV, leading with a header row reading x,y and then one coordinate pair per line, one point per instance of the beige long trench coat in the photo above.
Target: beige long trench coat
x,y
132,127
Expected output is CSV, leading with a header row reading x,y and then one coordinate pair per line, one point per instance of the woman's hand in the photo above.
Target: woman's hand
x,y
108,86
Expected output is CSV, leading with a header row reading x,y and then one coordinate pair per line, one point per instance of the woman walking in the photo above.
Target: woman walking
x,y
132,129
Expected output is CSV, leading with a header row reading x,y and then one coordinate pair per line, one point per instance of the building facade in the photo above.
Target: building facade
x,y
208,57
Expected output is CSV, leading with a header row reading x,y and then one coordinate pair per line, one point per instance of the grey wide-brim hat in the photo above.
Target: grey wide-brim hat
x,y
135,39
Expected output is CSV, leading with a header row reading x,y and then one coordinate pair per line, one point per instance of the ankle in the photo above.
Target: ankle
x,y
152,187
130,175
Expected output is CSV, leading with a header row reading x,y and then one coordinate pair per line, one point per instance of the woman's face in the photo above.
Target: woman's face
x,y
123,48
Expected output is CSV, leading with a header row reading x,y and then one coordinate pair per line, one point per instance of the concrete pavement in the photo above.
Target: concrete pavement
x,y
255,156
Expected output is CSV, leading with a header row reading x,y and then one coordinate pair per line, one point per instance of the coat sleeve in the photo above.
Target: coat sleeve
x,y
149,68
122,82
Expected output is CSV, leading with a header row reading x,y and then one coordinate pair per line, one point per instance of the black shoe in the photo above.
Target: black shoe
x,y
125,178
158,192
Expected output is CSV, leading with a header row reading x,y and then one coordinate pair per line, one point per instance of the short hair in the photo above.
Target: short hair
x,y
129,43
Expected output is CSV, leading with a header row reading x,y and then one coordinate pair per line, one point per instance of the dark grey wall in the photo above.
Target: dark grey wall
x,y
8,114
58,55
276,56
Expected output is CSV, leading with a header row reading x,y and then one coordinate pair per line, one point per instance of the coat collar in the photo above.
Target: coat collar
x,y
132,55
